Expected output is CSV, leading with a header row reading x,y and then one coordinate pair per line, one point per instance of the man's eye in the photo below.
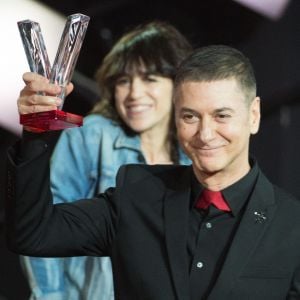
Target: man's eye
x,y
189,118
223,116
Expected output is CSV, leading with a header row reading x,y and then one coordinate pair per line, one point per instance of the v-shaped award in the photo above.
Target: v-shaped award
x,y
60,73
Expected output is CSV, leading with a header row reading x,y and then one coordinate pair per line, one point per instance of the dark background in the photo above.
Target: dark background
x,y
273,46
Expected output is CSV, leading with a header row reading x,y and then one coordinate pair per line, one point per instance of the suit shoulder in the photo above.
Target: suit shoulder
x,y
286,197
168,174
288,206
281,196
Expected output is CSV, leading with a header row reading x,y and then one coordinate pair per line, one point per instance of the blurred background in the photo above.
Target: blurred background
x,y
267,31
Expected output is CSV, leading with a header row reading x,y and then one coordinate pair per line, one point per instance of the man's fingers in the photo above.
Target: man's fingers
x,y
69,88
30,76
37,99
39,95
37,83
35,108
37,103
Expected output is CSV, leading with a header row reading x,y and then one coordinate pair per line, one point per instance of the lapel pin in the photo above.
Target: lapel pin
x,y
260,217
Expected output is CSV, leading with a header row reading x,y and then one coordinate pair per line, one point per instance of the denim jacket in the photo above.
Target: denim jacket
x,y
84,163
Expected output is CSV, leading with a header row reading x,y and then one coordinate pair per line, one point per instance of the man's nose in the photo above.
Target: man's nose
x,y
206,131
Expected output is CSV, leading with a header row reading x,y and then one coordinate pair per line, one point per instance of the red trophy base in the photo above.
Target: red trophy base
x,y
51,120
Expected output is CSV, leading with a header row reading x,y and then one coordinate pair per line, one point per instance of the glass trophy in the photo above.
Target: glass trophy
x,y
60,73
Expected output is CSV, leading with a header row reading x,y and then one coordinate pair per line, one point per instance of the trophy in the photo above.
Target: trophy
x,y
60,73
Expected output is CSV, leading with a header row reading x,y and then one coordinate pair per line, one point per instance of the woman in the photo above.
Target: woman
x,y
132,123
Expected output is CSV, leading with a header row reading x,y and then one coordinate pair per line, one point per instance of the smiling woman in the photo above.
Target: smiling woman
x,y
144,102
136,82
132,123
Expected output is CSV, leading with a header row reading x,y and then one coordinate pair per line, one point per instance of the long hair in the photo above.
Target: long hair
x,y
158,47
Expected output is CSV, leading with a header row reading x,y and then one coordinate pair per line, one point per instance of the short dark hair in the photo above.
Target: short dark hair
x,y
218,62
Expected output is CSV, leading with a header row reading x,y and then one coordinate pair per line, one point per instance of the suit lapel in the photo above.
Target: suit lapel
x,y
176,209
257,217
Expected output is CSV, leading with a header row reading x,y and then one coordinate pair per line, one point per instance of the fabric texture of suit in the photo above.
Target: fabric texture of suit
x,y
143,226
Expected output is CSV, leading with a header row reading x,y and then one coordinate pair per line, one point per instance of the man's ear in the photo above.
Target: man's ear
x,y
255,115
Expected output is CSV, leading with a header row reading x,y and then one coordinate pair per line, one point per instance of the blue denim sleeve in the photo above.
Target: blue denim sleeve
x,y
45,278
74,165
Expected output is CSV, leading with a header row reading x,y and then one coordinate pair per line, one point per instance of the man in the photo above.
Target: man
x,y
169,231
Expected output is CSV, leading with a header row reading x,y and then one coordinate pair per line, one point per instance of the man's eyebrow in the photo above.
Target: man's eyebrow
x,y
186,109
189,110
222,109
218,110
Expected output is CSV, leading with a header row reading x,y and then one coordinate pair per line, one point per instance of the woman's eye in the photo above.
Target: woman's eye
x,y
122,81
151,78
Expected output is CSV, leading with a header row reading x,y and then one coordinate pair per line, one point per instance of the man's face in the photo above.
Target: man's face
x,y
214,125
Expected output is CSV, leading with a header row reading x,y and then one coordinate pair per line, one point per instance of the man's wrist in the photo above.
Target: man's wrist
x,y
33,143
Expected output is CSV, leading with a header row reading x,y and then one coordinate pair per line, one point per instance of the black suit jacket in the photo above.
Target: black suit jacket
x,y
142,225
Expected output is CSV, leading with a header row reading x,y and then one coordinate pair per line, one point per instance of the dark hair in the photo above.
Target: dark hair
x,y
218,62
158,47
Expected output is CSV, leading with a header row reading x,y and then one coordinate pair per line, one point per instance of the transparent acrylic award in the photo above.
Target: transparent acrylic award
x,y
60,73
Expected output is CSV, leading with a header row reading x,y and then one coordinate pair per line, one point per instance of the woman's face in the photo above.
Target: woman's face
x,y
144,101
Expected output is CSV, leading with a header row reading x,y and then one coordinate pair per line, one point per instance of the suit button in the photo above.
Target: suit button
x,y
199,265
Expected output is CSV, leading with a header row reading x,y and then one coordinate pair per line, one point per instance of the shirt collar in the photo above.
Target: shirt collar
x,y
131,141
237,194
